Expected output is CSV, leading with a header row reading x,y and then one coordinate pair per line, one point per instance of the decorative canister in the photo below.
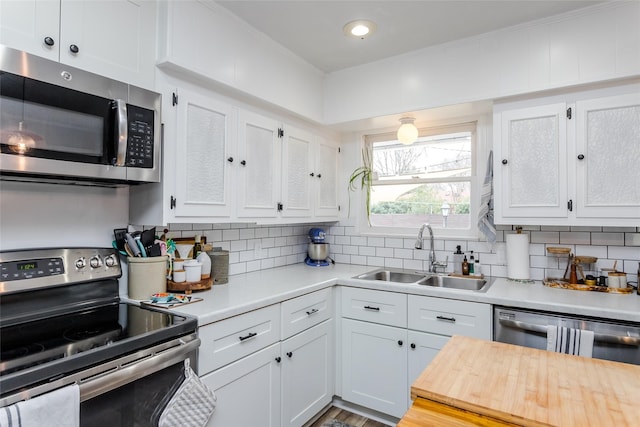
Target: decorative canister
x,y
219,266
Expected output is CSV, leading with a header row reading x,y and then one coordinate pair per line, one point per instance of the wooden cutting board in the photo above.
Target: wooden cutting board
x,y
531,387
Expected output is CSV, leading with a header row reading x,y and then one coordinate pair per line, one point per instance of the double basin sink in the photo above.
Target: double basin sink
x,y
426,279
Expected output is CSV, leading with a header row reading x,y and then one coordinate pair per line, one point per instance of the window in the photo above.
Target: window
x,y
427,181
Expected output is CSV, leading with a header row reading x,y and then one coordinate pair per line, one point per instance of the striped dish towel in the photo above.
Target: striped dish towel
x,y
569,341
485,216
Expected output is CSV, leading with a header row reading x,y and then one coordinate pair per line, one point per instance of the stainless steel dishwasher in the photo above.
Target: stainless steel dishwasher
x,y
613,340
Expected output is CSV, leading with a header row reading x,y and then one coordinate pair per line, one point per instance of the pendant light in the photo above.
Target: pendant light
x,y
407,132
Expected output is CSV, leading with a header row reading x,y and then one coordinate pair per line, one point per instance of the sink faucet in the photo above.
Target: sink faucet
x,y
433,264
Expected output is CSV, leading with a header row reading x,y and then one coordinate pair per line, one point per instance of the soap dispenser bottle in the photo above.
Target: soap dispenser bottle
x,y
457,260
465,267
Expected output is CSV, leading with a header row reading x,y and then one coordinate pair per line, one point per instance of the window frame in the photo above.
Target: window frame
x,y
474,126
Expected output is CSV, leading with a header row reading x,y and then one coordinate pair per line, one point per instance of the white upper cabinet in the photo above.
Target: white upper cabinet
x,y
573,162
326,178
258,168
532,162
114,38
608,157
298,172
206,133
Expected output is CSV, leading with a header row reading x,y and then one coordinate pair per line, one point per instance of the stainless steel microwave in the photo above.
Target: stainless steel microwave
x,y
58,122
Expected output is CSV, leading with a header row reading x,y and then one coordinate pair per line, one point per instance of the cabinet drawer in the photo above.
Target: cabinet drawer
x,y
388,308
450,317
233,338
306,311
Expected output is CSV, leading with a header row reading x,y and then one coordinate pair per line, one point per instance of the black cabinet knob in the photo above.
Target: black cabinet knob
x,y
278,359
400,343
319,175
312,174
49,41
504,161
243,162
230,159
413,345
289,354
580,156
74,49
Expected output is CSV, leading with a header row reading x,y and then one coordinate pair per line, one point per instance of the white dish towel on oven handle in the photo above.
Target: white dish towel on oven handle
x,y
192,404
59,408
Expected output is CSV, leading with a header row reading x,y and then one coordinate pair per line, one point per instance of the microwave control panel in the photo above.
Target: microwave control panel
x,y
140,138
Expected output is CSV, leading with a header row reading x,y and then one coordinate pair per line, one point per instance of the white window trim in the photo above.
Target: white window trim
x,y
481,129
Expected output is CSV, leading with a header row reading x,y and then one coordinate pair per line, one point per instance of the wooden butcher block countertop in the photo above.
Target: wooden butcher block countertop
x,y
477,382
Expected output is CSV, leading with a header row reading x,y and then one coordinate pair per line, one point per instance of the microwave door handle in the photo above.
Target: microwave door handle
x,y
612,339
122,137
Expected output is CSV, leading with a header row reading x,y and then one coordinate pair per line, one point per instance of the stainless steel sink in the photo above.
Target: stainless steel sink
x,y
392,276
426,279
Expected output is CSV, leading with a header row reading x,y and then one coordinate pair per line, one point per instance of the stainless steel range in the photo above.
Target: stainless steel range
x,y
62,322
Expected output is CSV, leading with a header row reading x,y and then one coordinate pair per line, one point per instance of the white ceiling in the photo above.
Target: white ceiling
x,y
312,29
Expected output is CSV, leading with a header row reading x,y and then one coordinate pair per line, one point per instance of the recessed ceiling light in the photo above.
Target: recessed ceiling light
x,y
359,29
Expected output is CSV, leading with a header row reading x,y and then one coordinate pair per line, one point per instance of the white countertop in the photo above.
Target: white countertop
x,y
250,291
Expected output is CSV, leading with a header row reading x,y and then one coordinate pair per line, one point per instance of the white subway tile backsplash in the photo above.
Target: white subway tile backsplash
x,y
253,247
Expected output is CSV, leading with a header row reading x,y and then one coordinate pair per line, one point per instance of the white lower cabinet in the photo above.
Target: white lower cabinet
x,y
307,374
423,347
267,375
248,391
374,363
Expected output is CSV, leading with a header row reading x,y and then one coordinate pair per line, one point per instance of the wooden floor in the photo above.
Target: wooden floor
x,y
351,419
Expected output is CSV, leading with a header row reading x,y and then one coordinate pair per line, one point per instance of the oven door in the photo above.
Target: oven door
x,y
132,390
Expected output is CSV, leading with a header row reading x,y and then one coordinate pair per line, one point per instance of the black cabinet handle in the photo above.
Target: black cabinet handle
x,y
309,313
368,307
400,343
280,207
243,162
448,319
570,205
580,156
49,41
250,335
504,161
289,354
74,48
230,160
312,174
278,359
413,345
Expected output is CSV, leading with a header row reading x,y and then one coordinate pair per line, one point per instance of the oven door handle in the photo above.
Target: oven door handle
x,y
604,338
113,374
110,380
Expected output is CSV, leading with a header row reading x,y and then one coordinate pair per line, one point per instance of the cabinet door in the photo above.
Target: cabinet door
x,y
248,391
205,135
532,162
608,157
307,374
259,172
326,175
374,366
423,347
298,174
115,38
25,24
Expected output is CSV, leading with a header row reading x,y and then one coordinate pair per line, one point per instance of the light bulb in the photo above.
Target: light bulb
x,y
407,132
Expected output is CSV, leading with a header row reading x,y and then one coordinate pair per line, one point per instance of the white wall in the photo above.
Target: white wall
x,y
594,44
34,215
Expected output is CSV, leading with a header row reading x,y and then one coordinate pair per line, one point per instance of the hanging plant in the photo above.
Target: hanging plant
x,y
362,178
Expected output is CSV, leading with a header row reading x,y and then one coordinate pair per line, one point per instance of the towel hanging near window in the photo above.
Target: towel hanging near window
x,y
486,223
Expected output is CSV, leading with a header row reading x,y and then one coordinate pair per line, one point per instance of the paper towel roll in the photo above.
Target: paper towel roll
x,y
518,256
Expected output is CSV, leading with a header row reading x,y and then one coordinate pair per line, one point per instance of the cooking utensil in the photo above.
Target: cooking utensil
x,y
133,245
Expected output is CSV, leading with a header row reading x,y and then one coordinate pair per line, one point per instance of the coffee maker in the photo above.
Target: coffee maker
x,y
318,251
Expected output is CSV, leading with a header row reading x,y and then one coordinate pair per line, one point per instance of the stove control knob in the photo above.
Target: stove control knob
x,y
110,261
95,261
81,263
